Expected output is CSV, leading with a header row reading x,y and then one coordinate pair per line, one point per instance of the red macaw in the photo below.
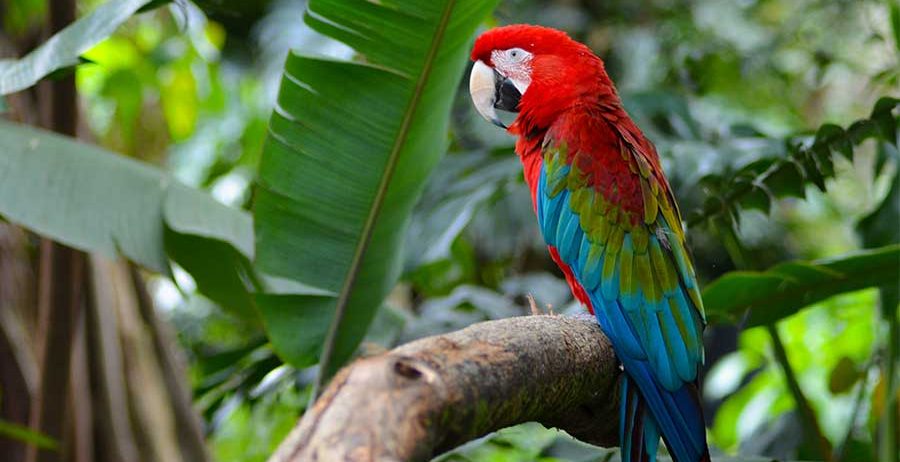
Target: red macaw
x,y
610,222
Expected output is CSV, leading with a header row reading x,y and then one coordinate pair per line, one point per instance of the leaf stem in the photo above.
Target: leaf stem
x,y
742,260
838,453
807,413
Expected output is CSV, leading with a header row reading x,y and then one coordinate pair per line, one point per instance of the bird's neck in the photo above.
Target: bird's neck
x,y
529,151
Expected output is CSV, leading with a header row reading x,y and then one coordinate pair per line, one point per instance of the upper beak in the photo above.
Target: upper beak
x,y
490,90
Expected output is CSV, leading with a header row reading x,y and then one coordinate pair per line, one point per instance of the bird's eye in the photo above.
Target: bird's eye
x,y
517,54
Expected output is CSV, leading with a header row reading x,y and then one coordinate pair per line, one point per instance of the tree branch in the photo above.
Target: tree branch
x,y
436,393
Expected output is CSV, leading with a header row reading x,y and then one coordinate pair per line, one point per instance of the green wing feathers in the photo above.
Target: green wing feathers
x,y
609,212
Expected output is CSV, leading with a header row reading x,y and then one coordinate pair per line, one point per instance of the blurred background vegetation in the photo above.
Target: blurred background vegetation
x,y
724,89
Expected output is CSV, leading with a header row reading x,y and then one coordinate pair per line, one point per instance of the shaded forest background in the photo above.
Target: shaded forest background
x,y
775,123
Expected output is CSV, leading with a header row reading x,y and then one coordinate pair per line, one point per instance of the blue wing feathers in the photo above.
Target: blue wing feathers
x,y
590,260
659,356
609,287
656,333
620,328
687,371
569,234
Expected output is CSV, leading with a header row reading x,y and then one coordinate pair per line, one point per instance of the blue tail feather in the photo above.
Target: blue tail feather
x,y
649,411
638,435
676,416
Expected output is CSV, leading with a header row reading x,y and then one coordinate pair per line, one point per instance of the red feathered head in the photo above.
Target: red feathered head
x,y
535,71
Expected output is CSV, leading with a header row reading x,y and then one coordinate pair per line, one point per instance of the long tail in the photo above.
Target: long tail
x,y
638,435
648,411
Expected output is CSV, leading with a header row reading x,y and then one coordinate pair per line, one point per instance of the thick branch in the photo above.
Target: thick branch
x,y
436,393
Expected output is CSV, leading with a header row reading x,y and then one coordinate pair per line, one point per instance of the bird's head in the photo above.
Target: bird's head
x,y
534,71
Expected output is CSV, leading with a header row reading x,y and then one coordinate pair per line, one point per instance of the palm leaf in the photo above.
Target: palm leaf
x,y
350,146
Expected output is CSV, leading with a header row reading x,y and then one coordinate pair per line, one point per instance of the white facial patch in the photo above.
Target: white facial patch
x,y
514,64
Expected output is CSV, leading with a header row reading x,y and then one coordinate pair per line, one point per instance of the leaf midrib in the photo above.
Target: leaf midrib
x,y
378,201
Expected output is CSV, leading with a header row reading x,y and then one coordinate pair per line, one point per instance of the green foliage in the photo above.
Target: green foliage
x,y
759,409
101,202
251,429
788,287
26,435
22,15
459,188
758,184
158,81
720,87
350,148
844,375
64,49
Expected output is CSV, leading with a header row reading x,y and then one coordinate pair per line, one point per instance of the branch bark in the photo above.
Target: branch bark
x,y
431,395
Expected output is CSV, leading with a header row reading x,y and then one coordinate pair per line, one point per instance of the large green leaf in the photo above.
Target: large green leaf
x,y
98,201
350,147
786,288
64,49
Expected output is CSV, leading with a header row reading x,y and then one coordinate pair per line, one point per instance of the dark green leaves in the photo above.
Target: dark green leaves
x,y
802,162
788,287
350,147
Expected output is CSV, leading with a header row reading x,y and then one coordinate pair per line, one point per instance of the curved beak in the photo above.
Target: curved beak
x,y
490,91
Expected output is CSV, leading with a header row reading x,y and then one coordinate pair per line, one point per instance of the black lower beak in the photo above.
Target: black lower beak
x,y
506,95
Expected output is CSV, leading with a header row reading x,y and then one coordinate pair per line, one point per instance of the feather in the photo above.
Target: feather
x,y
663,271
643,275
591,269
568,231
675,344
609,285
613,227
651,207
640,238
623,330
550,222
626,265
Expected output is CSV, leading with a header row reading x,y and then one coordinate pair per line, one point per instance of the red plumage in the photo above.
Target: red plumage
x,y
602,198
566,77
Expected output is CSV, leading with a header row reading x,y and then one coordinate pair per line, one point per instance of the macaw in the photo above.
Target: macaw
x,y
611,224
